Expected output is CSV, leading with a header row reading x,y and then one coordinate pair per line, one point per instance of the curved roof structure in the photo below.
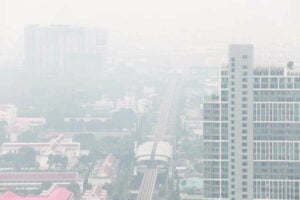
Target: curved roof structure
x,y
163,151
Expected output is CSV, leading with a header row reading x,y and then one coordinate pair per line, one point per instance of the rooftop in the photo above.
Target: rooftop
x,y
57,193
38,176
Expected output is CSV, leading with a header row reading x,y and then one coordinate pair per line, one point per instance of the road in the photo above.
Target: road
x,y
149,179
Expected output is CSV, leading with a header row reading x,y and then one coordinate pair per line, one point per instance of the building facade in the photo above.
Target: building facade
x,y
251,131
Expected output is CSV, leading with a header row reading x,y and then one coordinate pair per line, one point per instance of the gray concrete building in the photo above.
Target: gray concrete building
x,y
251,131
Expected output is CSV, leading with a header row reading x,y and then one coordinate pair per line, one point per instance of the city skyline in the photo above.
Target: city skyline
x,y
149,100
197,26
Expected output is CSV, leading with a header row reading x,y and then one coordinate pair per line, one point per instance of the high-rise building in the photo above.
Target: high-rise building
x,y
251,131
65,51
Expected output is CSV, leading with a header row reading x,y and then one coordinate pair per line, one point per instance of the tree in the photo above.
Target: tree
x,y
45,186
59,160
50,161
290,64
86,185
198,167
125,118
28,136
26,157
74,188
86,140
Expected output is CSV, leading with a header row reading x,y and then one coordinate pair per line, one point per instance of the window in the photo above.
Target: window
x,y
244,56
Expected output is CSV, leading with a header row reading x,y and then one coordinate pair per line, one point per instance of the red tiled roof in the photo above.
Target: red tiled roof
x,y
56,194
110,160
9,196
96,192
38,176
37,145
105,171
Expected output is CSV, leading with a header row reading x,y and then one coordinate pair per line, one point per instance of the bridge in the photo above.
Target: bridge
x,y
147,186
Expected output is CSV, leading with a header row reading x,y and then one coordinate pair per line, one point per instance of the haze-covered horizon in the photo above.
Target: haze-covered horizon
x,y
169,26
149,99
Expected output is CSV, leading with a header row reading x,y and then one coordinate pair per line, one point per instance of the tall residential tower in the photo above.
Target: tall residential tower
x,y
251,131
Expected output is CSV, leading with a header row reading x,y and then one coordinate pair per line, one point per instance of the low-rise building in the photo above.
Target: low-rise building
x,y
54,193
96,193
8,114
22,125
104,104
128,102
104,170
33,180
57,146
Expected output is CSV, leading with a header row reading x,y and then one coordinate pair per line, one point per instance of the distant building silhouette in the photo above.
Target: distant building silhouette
x,y
65,51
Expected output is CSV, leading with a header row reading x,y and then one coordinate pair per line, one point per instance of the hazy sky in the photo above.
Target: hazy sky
x,y
266,23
